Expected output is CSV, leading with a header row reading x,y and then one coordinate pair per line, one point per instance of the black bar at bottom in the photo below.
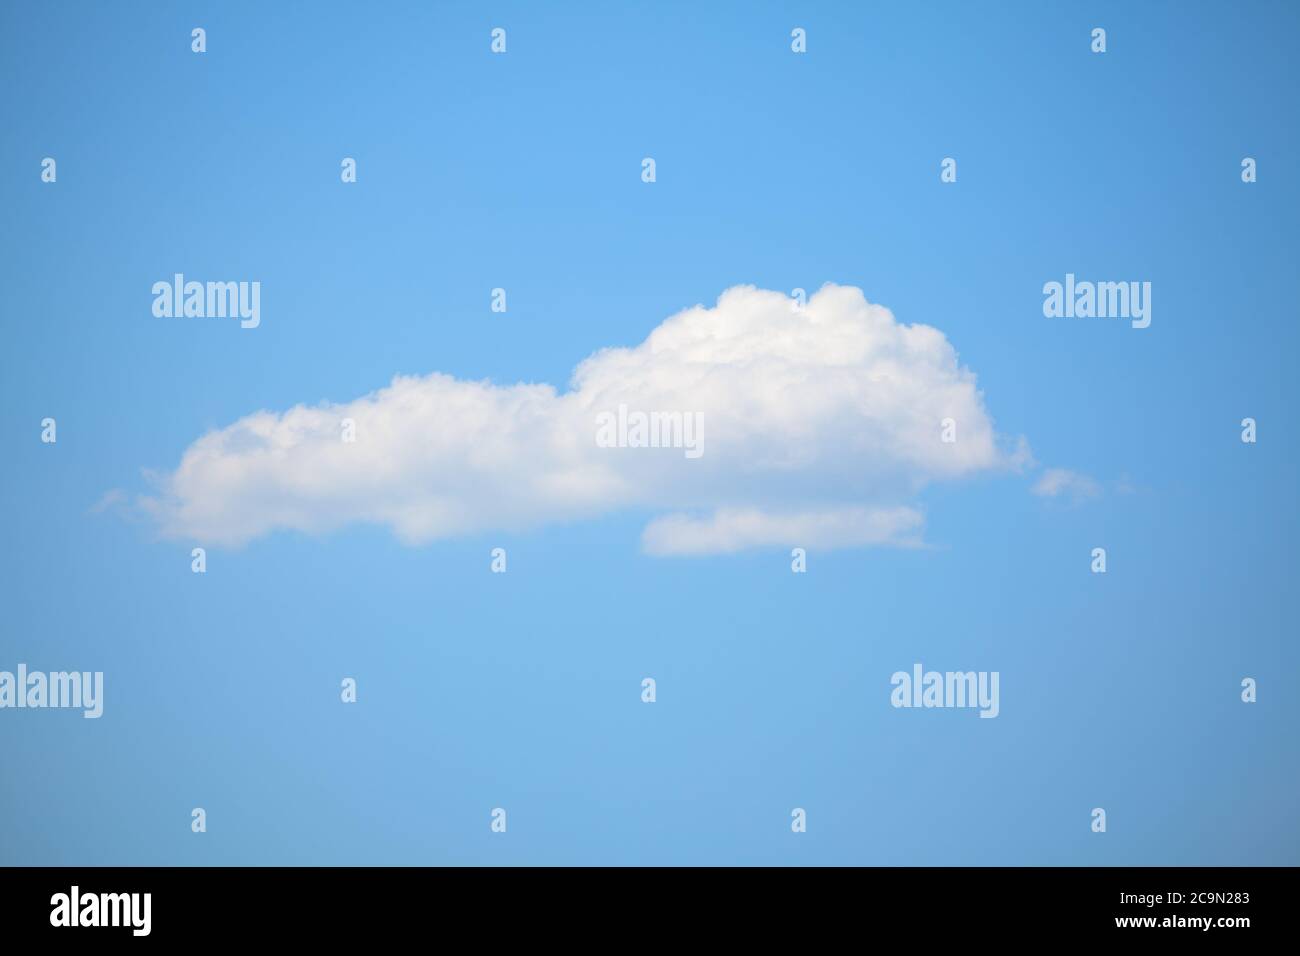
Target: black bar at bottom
x,y
336,905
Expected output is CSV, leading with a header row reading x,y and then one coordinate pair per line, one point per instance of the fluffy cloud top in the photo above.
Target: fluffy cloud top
x,y
817,424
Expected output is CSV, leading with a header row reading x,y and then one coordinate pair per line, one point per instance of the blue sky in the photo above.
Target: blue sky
x,y
522,690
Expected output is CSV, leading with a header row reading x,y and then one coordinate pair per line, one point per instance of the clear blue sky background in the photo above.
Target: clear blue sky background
x,y
523,690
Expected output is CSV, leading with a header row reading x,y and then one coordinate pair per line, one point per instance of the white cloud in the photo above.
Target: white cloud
x,y
1061,481
818,425
730,530
114,498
